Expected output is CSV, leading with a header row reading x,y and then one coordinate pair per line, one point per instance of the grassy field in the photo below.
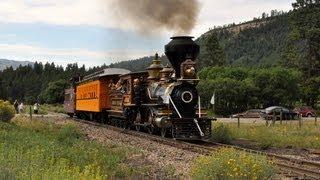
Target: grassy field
x,y
44,109
56,108
43,150
286,135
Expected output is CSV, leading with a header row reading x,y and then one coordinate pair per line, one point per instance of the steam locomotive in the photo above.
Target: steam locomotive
x,y
161,100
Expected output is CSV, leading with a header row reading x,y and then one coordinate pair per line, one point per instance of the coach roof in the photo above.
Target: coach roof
x,y
106,72
114,71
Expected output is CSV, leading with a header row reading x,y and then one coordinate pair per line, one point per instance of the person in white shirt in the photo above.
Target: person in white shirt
x,y
21,108
36,108
16,105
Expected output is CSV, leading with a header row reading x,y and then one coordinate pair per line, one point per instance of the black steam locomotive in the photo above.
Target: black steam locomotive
x,y
162,100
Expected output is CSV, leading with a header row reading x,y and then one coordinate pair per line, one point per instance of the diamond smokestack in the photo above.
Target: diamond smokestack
x,y
179,49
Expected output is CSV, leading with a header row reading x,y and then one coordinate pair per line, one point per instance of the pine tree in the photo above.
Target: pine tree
x,y
306,29
211,53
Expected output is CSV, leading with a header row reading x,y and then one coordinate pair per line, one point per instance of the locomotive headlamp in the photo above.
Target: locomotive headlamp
x,y
187,96
190,72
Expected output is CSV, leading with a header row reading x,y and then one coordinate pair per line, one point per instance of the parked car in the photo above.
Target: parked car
x,y
287,114
305,111
251,113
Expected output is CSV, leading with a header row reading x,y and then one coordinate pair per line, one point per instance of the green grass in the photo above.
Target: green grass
x,y
57,108
286,135
221,133
43,150
44,109
228,163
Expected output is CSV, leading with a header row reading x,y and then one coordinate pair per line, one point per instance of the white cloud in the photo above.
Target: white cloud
x,y
102,12
65,56
63,12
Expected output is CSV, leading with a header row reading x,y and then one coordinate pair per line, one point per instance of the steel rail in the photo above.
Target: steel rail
x,y
298,167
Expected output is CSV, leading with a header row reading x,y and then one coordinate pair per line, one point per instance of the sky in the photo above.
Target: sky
x,y
90,32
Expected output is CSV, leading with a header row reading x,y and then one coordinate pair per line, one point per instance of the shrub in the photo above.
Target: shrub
x,y
228,163
7,111
221,133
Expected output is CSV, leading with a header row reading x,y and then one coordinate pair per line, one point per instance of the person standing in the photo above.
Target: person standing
x,y
36,108
15,105
21,108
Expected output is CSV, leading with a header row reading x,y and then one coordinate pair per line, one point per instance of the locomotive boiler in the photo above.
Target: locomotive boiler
x,y
162,100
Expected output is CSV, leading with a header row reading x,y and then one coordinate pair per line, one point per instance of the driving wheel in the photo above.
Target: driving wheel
x,y
151,118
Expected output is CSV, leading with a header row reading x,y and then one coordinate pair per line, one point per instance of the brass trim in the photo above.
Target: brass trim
x,y
164,114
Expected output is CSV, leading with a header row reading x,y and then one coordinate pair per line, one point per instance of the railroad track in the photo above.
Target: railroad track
x,y
178,144
296,168
290,167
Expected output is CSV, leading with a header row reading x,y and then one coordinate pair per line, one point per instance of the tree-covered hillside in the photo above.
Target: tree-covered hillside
x,y
255,43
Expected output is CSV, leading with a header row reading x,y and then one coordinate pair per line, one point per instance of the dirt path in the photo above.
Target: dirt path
x,y
160,160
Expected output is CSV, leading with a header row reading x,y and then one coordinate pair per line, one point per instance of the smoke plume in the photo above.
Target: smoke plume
x,y
177,16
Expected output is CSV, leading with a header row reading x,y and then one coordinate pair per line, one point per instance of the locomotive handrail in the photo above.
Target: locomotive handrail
x,y
199,129
175,107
